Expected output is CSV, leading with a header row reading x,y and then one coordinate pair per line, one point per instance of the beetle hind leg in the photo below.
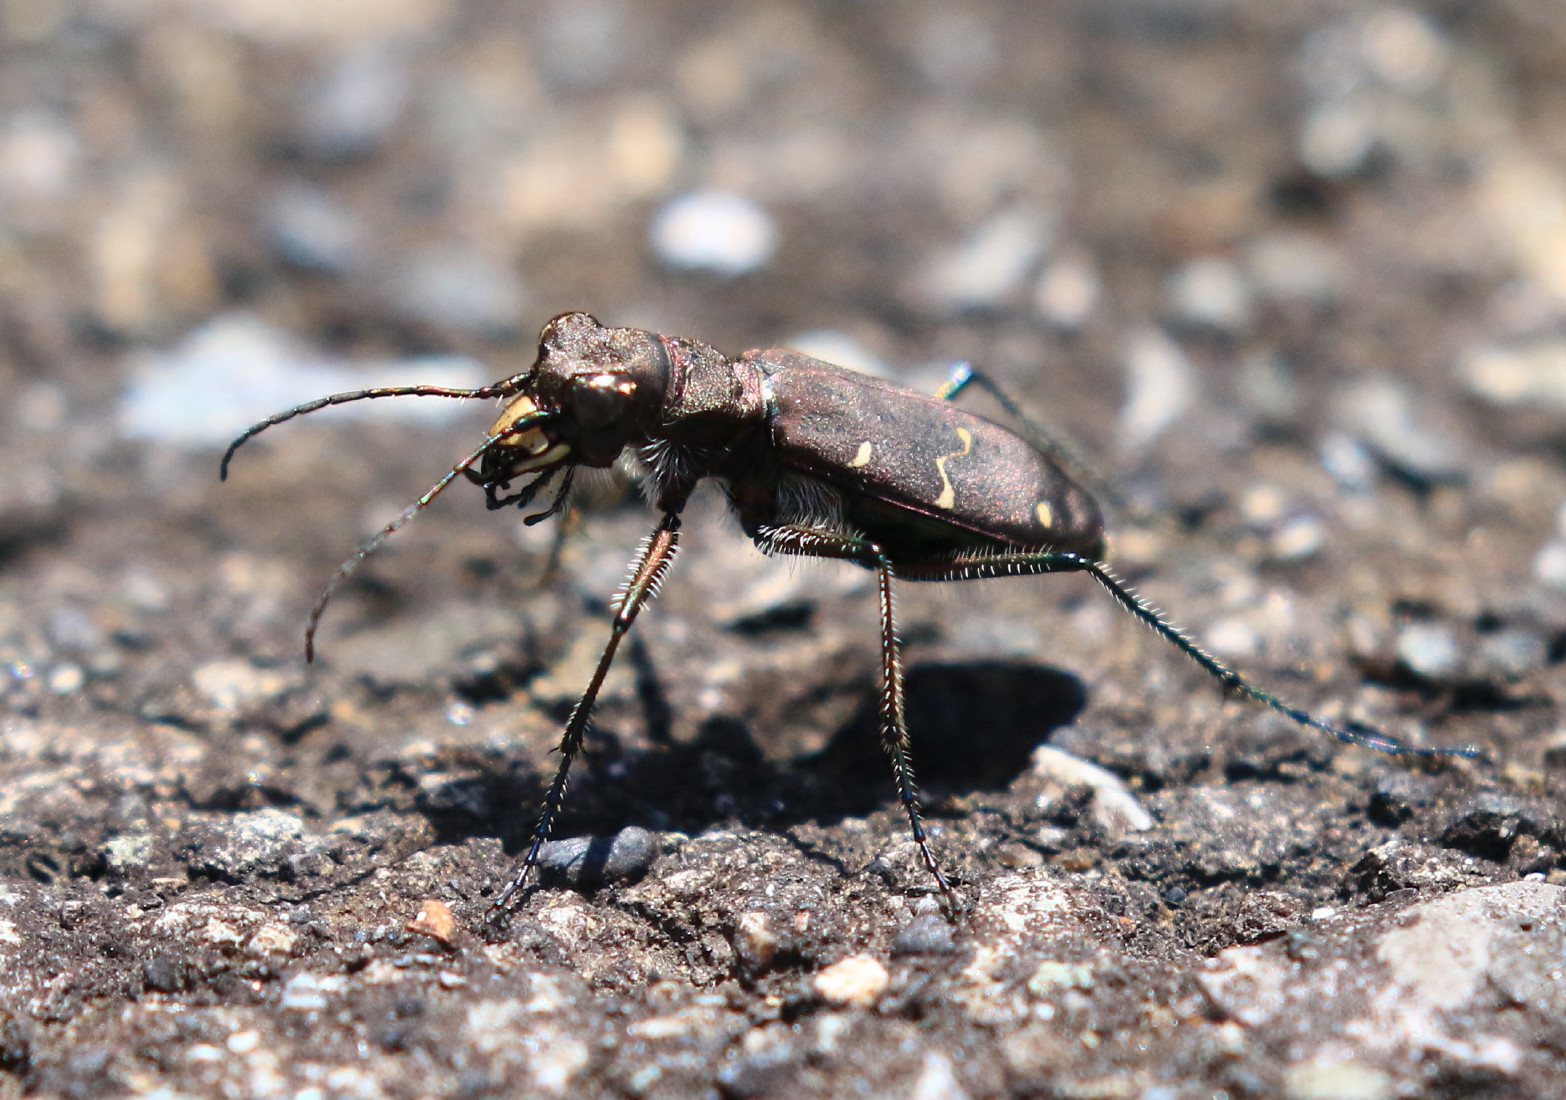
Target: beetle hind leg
x,y
1051,441
814,542
1008,563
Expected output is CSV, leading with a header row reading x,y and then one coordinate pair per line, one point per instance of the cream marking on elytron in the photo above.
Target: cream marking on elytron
x,y
1045,513
862,456
948,495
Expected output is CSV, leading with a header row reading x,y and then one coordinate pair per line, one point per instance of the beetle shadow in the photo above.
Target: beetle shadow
x,y
973,724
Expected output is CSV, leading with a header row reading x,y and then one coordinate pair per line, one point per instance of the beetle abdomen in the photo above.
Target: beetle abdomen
x,y
923,457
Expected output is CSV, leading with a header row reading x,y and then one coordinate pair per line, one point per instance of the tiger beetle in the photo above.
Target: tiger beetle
x,y
818,461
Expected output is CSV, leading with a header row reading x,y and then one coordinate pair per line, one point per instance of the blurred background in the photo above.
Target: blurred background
x,y
1148,209
1295,268
1292,274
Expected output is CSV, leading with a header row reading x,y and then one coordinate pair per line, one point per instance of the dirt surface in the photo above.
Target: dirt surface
x,y
1293,274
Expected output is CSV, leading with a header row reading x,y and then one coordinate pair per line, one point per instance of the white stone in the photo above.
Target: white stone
x,y
716,231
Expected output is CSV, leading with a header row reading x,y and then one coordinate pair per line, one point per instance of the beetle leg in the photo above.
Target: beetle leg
x,y
493,500
1023,562
647,570
556,506
1047,439
567,526
816,543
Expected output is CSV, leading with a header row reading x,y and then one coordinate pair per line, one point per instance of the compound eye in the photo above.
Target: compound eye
x,y
602,399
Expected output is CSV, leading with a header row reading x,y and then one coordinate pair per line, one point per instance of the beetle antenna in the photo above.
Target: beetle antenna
x,y
371,545
499,389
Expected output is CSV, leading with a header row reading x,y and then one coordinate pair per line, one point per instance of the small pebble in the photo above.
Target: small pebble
x,y
67,679
1549,564
716,231
1160,386
162,974
243,1042
856,980
1490,822
937,1080
1262,504
984,269
310,229
1115,808
1297,538
1067,292
144,591
1211,293
272,938
586,863
1231,637
1051,977
1347,460
460,287
1399,796
755,940
306,992
127,853
229,685
1332,1080
39,155
435,919
925,934
1521,376
1293,267
258,841
1429,649
1337,137
1513,653
1404,48
235,369
1381,411
353,109
1521,195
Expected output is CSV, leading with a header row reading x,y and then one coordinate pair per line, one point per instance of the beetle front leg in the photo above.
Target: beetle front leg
x,y
647,570
815,543
493,501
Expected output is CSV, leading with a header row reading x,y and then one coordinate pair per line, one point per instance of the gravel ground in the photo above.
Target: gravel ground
x,y
1293,274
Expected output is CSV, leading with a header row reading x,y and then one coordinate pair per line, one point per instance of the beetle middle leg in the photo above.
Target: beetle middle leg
x,y
814,542
646,574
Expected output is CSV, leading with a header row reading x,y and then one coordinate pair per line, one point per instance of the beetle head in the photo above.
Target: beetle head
x,y
593,392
